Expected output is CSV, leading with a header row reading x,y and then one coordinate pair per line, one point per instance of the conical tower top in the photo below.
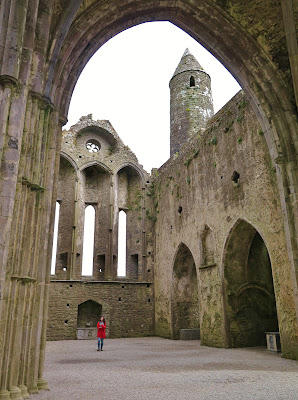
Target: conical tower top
x,y
187,63
191,101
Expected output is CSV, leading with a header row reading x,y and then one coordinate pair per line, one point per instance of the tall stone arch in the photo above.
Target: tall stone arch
x,y
66,196
185,298
130,199
249,290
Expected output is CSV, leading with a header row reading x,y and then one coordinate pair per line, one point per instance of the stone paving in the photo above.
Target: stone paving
x,y
155,368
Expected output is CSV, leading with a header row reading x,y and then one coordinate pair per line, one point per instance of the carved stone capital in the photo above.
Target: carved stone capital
x,y
8,80
44,101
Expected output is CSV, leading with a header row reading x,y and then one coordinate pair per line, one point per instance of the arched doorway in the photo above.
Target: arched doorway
x,y
185,301
249,290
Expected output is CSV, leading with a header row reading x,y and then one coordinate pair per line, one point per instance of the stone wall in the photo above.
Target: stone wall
x,y
109,179
127,307
220,178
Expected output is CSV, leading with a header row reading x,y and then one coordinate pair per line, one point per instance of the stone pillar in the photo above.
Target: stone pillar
x,y
11,128
110,273
53,160
142,275
25,296
74,231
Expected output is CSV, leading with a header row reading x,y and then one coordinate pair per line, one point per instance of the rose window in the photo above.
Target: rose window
x,y
93,146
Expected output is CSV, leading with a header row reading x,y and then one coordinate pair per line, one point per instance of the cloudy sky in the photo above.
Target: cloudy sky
x,y
127,82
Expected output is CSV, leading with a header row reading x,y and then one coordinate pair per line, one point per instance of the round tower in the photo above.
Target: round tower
x,y
191,100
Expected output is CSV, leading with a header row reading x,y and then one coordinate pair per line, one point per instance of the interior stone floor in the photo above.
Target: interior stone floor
x,y
155,368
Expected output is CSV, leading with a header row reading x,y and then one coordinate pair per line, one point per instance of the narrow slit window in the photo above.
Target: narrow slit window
x,y
192,81
88,242
121,269
55,238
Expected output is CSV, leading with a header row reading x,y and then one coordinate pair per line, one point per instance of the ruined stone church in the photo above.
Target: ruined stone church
x,y
200,212
210,237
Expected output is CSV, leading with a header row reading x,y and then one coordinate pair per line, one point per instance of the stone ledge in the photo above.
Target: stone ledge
x,y
101,282
23,278
207,266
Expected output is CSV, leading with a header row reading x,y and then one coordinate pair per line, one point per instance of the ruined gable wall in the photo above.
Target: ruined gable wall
x,y
196,190
110,179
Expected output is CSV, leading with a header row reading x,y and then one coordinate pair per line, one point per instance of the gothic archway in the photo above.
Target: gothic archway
x,y
249,290
185,301
66,197
130,198
221,31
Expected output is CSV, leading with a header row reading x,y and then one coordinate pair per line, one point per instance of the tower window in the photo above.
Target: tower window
x,y
192,81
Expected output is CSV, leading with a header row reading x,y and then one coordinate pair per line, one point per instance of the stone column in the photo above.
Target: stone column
x,y
110,273
142,275
11,128
74,231
51,179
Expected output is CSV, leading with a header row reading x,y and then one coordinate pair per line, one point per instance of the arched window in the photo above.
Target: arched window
x,y
192,81
121,270
55,238
88,243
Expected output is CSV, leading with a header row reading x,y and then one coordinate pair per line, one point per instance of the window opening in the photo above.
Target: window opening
x,y
121,270
93,146
192,81
88,242
55,238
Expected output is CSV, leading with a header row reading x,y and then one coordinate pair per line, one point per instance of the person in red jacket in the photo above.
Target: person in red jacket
x,y
101,333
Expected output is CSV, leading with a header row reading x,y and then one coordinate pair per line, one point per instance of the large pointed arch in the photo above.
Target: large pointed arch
x,y
184,293
130,201
249,64
248,287
222,31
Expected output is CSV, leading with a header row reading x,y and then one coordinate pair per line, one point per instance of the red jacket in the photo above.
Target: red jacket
x,y
101,330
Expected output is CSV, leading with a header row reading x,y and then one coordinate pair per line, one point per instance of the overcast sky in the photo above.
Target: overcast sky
x,y
127,83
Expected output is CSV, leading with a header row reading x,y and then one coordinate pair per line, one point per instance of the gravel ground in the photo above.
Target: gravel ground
x,y
155,368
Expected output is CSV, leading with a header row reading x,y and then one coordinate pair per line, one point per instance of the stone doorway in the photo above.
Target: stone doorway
x,y
249,290
185,302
